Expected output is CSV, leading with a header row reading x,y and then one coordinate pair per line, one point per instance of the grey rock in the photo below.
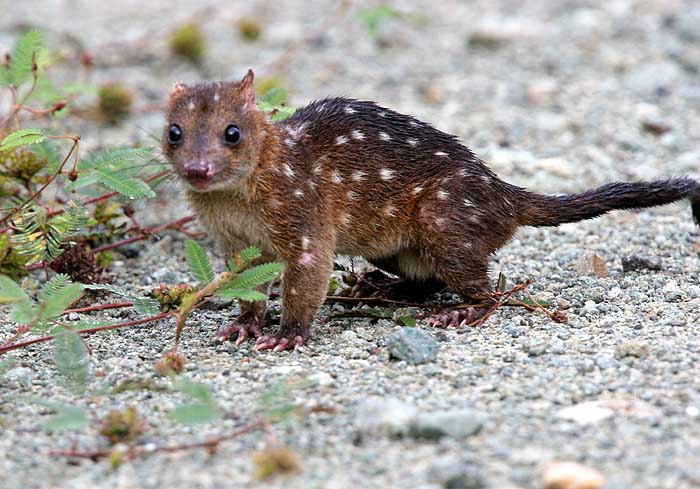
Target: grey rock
x,y
459,423
19,376
412,345
605,361
640,262
387,416
165,275
456,474
687,24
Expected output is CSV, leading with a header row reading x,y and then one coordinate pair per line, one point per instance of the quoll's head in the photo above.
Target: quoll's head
x,y
212,133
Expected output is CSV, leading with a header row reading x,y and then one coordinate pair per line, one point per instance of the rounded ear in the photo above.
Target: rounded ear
x,y
247,89
178,88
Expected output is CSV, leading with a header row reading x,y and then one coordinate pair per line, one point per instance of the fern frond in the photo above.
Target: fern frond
x,y
255,276
199,262
53,286
116,157
131,187
27,51
22,137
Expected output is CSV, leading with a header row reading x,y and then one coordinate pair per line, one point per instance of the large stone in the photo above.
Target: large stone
x,y
412,345
458,423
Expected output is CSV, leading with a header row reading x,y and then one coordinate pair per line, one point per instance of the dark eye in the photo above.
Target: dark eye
x,y
174,134
232,135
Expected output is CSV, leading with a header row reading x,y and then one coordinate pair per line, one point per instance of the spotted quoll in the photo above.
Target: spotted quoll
x,y
351,177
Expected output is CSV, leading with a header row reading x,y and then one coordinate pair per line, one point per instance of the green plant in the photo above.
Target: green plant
x,y
249,28
186,41
114,102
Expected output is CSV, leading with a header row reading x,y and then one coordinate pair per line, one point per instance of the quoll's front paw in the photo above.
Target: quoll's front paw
x,y
244,328
285,339
455,318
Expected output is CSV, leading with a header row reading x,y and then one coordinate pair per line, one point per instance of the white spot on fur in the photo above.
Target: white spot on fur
x,y
190,106
417,189
474,219
336,177
463,172
439,221
293,291
290,142
441,153
358,175
299,193
318,167
412,141
486,179
389,211
381,114
468,203
306,259
352,195
344,218
321,108
442,195
349,110
287,170
357,134
384,136
341,140
311,183
468,245
386,174
216,97
413,123
305,241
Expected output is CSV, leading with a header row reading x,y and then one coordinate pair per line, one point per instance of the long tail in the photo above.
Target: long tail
x,y
545,210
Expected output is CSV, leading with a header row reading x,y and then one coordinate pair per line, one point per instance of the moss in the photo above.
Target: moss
x,y
267,83
114,102
273,461
122,426
23,165
249,28
186,41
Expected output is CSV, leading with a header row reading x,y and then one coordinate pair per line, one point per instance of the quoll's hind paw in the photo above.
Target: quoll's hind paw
x,y
244,329
455,318
279,343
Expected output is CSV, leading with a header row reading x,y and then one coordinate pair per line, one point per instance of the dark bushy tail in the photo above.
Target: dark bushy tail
x,y
545,210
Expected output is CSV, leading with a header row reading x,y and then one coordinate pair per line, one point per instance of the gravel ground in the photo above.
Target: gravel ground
x,y
559,97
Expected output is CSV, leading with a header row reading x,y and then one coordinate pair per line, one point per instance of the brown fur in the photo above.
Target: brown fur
x,y
350,177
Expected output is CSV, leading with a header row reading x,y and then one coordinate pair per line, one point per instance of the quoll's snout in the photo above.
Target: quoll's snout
x,y
198,172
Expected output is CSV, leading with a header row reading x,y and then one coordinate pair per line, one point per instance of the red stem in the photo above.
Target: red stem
x,y
101,307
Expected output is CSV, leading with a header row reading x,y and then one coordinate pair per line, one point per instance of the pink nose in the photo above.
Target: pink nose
x,y
198,170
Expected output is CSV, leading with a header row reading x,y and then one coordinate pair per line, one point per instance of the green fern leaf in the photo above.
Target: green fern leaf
x,y
23,137
134,188
27,51
72,360
242,294
249,254
58,302
198,262
117,157
255,276
11,292
53,286
142,305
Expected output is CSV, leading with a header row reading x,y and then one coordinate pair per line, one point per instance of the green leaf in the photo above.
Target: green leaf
x,y
195,389
134,188
250,253
274,96
54,285
23,137
4,76
198,262
407,320
53,306
28,49
194,414
146,306
255,276
11,292
67,417
116,157
72,360
242,294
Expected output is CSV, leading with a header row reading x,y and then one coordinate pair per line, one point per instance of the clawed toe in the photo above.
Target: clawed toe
x,y
279,344
456,318
243,330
